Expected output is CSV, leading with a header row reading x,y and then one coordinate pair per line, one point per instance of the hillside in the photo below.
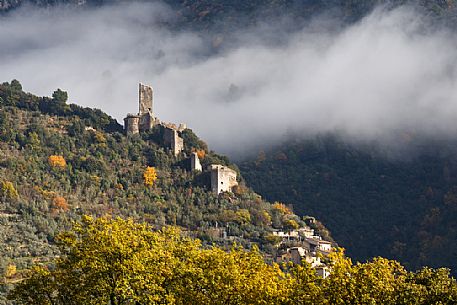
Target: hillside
x,y
59,161
231,15
401,206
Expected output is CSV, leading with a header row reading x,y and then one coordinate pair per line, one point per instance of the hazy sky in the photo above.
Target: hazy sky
x,y
387,72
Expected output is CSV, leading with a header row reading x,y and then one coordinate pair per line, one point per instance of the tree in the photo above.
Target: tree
x,y
106,261
150,176
290,224
16,85
57,161
8,190
60,204
281,208
10,270
117,261
60,96
235,277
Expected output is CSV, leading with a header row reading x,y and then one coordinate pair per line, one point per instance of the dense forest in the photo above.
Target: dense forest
x,y
223,15
399,202
60,161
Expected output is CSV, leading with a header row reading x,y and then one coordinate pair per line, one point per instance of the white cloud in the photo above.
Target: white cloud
x,y
387,72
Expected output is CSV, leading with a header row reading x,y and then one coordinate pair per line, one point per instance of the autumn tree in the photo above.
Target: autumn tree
x,y
10,270
117,261
281,208
57,161
201,153
60,204
107,261
150,176
8,190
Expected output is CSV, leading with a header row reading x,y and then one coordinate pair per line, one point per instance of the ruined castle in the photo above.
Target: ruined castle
x,y
223,179
145,120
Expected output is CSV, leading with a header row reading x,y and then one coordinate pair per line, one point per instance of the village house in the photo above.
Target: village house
x,y
223,178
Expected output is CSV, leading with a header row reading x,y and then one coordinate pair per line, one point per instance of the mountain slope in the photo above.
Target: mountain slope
x,y
59,161
401,208
204,14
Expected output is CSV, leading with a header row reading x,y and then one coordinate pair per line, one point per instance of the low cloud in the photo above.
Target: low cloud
x,y
390,71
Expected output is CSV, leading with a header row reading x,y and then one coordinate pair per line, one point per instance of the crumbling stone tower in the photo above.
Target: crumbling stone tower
x,y
131,124
147,120
172,140
144,120
145,99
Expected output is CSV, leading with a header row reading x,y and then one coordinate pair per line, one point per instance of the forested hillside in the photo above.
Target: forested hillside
x,y
59,161
399,203
230,15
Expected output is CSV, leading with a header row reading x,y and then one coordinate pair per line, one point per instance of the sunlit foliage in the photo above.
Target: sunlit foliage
x,y
150,176
57,161
116,261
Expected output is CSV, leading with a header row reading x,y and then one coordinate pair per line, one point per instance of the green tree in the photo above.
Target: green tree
x,y
60,96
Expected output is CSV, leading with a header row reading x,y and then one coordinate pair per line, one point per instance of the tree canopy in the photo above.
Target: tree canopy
x,y
118,261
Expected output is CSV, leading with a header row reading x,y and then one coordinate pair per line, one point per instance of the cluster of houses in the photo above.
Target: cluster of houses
x,y
302,245
223,178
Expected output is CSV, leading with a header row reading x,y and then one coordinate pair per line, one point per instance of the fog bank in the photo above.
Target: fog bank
x,y
390,71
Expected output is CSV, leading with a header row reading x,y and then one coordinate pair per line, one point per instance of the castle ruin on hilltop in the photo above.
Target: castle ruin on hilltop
x,y
145,120
223,179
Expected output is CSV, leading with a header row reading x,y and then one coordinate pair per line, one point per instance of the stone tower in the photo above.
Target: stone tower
x,y
195,164
223,179
172,140
145,99
131,124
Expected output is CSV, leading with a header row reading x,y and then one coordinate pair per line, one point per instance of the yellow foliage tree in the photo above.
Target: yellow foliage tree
x,y
106,261
150,176
57,161
282,208
117,261
8,190
10,271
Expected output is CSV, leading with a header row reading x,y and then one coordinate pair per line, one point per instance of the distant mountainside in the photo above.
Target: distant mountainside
x,y
375,204
228,15
60,161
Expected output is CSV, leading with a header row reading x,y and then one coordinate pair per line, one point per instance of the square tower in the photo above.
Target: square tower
x,y
223,179
145,99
